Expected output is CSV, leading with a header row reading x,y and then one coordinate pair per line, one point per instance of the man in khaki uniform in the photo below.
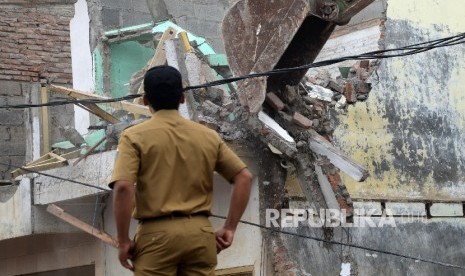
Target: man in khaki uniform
x,y
163,175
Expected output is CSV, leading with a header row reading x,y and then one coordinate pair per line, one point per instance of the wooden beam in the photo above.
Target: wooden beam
x,y
320,145
185,42
97,111
123,105
72,155
243,270
159,58
45,127
48,161
61,214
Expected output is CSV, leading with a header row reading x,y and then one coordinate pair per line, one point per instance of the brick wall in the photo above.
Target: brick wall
x,y
35,43
12,126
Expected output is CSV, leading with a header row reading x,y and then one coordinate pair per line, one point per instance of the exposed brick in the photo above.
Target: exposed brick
x,y
274,101
350,93
301,120
364,64
37,37
335,86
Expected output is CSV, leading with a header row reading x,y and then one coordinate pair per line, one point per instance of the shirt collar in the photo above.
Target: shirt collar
x,y
166,113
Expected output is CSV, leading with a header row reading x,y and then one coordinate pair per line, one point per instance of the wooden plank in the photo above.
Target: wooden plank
x,y
185,42
48,166
39,167
45,127
123,105
97,111
55,156
72,155
243,270
320,145
61,214
43,159
159,58
48,161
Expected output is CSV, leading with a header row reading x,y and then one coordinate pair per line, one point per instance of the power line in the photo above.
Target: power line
x,y
268,228
379,54
65,102
55,176
347,244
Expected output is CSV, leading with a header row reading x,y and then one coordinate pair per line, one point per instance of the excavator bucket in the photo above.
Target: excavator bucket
x,y
262,35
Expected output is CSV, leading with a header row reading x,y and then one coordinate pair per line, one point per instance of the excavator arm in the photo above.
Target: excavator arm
x,y
262,35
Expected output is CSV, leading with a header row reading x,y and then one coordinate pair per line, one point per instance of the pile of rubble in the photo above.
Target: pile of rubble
x,y
303,111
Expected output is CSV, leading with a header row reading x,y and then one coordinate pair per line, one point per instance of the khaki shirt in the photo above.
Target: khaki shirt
x,y
172,161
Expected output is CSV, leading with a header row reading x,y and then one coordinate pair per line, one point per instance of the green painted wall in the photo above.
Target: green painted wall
x,y
126,59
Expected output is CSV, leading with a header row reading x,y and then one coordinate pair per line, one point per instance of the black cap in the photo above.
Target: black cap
x,y
164,81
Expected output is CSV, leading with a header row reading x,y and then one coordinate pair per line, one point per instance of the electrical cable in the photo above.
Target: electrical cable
x,y
379,54
346,244
55,176
408,50
268,228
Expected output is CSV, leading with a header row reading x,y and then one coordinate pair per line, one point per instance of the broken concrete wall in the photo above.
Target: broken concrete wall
x,y
116,14
200,17
15,210
409,132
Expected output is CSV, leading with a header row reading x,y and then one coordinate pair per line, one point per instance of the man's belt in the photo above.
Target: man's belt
x,y
175,215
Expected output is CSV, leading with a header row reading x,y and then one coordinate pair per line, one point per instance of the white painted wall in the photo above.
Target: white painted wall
x,y
246,249
15,214
81,57
96,170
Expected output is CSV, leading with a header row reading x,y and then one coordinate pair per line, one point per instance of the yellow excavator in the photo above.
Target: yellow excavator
x,y
262,35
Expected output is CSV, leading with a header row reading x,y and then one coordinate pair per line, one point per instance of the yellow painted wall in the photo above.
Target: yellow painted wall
x,y
410,133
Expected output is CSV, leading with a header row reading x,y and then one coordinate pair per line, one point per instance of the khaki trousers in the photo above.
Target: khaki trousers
x,y
175,246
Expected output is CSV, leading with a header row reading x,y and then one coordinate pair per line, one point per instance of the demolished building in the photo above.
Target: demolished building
x,y
406,134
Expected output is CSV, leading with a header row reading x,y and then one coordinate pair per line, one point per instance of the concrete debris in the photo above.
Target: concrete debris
x,y
301,120
113,132
300,113
353,83
319,92
72,135
274,101
272,124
